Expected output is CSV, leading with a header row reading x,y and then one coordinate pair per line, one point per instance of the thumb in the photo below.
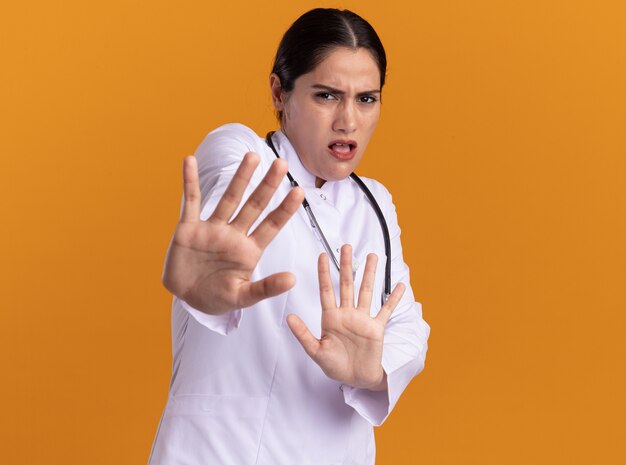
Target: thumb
x,y
303,335
265,288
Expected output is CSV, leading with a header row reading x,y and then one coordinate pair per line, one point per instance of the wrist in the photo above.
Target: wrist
x,y
203,306
380,385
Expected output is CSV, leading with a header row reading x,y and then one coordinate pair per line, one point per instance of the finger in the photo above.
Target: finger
x,y
191,190
236,188
303,335
271,286
367,285
273,223
390,305
327,293
346,282
261,196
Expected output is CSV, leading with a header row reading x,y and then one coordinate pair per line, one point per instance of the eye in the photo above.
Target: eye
x,y
367,99
325,96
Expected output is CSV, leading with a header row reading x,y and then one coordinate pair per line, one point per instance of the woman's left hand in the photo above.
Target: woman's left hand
x,y
351,346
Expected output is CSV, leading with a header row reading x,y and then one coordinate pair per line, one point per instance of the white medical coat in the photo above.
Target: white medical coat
x,y
243,391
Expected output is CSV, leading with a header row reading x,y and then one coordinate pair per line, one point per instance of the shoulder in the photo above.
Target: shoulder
x,y
378,190
229,143
235,133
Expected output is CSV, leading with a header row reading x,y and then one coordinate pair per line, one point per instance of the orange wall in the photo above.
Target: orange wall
x,y
502,139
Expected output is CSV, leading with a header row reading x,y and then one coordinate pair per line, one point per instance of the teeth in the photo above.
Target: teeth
x,y
343,148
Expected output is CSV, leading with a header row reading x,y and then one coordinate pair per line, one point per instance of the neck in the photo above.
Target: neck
x,y
319,182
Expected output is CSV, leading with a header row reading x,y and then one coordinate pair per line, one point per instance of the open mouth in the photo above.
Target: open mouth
x,y
343,150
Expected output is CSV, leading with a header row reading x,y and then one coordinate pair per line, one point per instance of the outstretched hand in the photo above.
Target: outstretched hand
x,y
351,345
209,263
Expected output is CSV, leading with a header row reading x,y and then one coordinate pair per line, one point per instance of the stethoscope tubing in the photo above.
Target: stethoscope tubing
x,y
316,226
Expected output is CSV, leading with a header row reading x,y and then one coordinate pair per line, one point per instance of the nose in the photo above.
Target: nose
x,y
345,118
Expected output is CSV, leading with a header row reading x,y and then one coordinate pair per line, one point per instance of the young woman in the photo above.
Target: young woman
x,y
269,366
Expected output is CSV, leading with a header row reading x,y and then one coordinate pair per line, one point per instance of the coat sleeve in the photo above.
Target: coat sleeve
x,y
218,157
405,339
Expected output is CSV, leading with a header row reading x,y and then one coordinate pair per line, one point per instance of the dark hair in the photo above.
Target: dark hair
x,y
314,34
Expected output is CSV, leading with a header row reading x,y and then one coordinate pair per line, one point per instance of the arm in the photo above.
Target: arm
x,y
210,261
405,340
374,358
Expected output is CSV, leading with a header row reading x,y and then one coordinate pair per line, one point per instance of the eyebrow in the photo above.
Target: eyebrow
x,y
332,90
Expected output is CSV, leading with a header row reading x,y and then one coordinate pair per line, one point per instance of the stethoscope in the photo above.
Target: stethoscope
x,y
316,227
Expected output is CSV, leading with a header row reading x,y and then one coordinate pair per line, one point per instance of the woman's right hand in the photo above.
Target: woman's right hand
x,y
209,263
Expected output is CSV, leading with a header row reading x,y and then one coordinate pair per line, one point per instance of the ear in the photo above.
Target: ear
x,y
277,92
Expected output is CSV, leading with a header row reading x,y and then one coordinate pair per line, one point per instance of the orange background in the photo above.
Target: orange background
x,y
503,140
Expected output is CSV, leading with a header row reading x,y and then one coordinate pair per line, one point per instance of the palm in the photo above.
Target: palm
x,y
215,262
351,343
209,263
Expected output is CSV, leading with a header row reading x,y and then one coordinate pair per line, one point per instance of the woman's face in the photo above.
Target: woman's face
x,y
331,113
